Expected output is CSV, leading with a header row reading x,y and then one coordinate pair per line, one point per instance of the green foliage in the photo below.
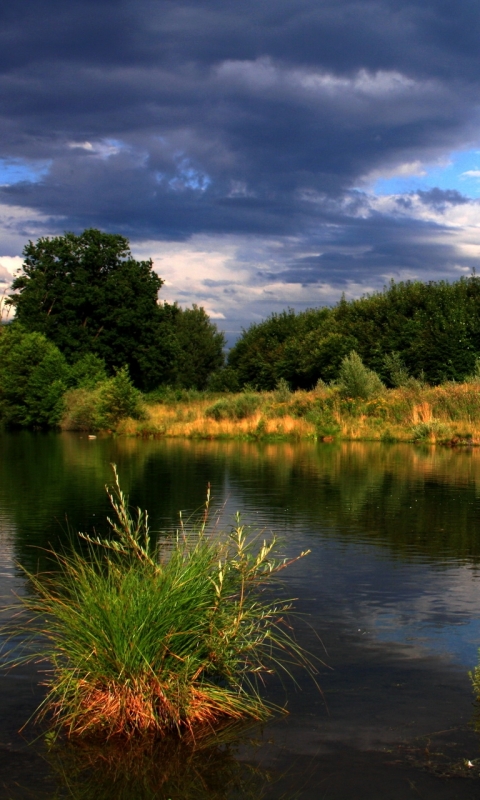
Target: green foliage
x,y
146,637
282,391
474,377
423,431
356,380
224,380
432,331
84,410
258,354
120,399
240,407
90,297
397,372
200,348
103,405
171,395
33,378
87,294
88,371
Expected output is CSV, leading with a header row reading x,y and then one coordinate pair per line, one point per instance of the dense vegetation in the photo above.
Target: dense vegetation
x,y
89,337
430,331
87,317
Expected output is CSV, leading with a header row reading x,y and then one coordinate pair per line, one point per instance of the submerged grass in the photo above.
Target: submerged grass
x,y
147,636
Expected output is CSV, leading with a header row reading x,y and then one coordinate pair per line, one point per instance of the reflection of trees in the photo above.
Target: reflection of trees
x,y
46,477
415,501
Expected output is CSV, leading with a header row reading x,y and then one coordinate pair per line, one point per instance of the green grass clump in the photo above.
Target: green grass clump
x,y
152,637
236,408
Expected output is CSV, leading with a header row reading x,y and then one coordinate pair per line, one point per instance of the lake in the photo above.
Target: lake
x,y
388,601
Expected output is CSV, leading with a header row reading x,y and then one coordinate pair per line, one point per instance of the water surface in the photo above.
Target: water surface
x,y
390,598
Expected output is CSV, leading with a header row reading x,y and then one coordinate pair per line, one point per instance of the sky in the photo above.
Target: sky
x,y
265,154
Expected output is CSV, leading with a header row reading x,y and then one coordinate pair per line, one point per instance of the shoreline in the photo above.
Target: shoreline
x,y
448,414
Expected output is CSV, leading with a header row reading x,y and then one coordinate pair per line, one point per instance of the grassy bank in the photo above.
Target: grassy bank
x,y
448,413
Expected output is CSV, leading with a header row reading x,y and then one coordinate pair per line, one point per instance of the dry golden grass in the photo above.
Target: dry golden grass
x,y
440,413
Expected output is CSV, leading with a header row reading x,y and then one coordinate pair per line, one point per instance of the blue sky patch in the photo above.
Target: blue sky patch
x,y
16,171
461,172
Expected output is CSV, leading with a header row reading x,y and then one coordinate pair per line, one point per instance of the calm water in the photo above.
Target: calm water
x,y
390,594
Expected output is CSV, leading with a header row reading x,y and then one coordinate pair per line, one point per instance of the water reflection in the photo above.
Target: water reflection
x,y
391,588
417,502
168,770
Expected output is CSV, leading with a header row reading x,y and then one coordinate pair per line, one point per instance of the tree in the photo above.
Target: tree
x,y
356,380
33,378
87,294
200,348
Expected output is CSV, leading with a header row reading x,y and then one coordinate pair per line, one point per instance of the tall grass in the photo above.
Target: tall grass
x,y
145,636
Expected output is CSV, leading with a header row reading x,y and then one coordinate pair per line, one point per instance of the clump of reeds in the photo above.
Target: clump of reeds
x,y
147,636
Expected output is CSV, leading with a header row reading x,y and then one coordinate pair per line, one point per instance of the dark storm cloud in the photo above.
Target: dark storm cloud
x,y
441,198
164,119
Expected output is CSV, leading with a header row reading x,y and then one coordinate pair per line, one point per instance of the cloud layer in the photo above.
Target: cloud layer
x,y
257,134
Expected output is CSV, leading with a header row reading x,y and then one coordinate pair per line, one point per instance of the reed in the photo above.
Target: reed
x,y
145,636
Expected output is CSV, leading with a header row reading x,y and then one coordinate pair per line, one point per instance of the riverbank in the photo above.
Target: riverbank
x,y
448,414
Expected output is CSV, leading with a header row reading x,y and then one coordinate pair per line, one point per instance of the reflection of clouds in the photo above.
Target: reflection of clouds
x,y
431,611
12,583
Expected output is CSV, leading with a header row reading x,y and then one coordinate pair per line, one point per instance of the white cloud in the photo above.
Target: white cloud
x,y
102,149
264,74
10,264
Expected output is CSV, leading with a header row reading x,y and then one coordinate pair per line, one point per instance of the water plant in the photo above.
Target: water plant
x,y
152,635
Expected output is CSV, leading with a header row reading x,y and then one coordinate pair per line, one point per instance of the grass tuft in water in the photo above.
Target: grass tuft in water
x,y
153,637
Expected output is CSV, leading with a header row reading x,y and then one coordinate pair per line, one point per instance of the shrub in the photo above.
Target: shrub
x,y
33,379
104,405
396,369
120,399
88,371
356,380
234,408
144,637
433,429
83,410
283,391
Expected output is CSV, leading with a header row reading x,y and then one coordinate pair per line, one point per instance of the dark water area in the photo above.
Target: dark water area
x,y
389,598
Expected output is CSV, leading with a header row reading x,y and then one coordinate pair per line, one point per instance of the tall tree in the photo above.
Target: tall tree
x,y
200,348
87,294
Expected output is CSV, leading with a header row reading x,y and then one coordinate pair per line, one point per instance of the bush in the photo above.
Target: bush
x,y
144,637
356,380
83,410
104,405
33,378
423,431
396,369
283,391
88,371
235,408
119,399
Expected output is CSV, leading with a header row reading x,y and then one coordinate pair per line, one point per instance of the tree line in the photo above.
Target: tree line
x,y
87,315
427,331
